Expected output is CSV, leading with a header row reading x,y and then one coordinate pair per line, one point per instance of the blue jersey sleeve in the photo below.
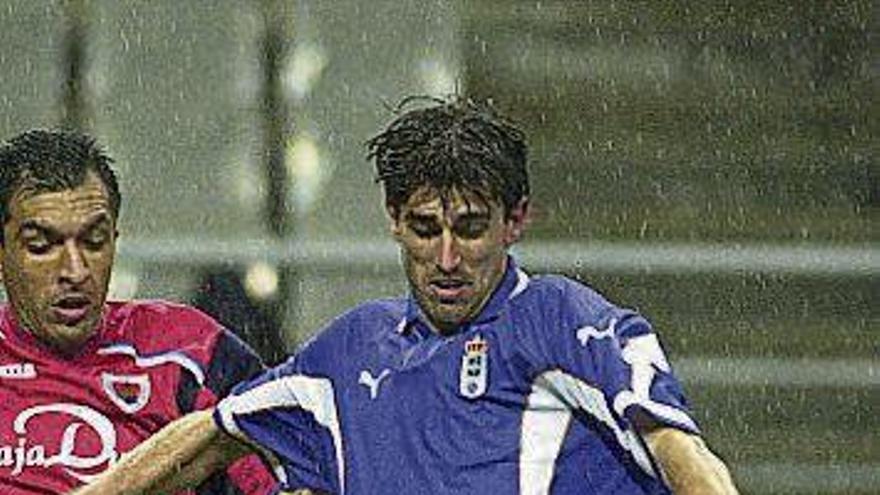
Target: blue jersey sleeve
x,y
602,363
292,418
616,350
634,372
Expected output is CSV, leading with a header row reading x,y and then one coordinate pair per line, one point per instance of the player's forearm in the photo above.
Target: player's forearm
x,y
688,464
180,455
215,456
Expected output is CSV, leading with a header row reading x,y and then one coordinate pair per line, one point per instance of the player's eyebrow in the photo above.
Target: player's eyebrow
x,y
473,215
38,225
96,221
420,216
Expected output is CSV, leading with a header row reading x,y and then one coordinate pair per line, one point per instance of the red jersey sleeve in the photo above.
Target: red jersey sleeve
x,y
222,360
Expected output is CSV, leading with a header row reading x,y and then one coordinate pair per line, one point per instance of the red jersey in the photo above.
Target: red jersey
x,y
65,419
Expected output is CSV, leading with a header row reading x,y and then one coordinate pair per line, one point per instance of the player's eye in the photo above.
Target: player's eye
x,y
425,229
96,239
37,241
38,245
471,228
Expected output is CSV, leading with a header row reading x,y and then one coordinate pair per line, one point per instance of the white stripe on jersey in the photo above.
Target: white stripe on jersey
x,y
175,357
544,424
554,394
522,281
643,354
315,395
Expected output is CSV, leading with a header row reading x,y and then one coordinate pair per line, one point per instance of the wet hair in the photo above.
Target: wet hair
x,y
451,145
51,161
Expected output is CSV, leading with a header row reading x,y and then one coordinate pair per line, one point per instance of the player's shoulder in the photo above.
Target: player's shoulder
x,y
565,296
365,319
378,311
574,304
159,322
359,323
158,311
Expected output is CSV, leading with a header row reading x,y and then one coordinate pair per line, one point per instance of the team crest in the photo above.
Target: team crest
x,y
474,368
129,392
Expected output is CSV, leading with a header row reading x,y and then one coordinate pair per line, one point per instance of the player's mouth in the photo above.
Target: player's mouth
x,y
450,290
71,309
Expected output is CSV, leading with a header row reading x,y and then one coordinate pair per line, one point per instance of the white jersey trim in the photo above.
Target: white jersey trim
x,y
544,425
645,357
174,357
315,395
555,394
522,281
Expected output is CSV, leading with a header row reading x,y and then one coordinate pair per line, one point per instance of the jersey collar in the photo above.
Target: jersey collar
x,y
512,284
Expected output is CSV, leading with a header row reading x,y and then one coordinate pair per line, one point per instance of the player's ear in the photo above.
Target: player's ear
x,y
517,218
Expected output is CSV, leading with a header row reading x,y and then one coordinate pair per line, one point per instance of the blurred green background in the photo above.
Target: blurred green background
x,y
710,163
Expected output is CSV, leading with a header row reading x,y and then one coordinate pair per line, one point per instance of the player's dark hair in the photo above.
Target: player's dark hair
x,y
458,144
50,161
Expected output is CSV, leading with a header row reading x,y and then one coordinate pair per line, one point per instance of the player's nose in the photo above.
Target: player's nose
x,y
74,267
449,255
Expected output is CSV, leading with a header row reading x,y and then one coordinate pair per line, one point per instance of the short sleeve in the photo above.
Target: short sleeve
x,y
616,351
292,418
604,363
638,374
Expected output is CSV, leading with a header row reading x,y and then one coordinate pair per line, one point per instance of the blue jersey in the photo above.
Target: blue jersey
x,y
534,396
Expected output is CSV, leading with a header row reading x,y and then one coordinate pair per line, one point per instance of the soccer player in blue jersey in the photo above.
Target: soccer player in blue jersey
x,y
484,380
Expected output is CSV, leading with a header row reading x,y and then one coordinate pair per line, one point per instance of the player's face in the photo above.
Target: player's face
x,y
56,261
454,252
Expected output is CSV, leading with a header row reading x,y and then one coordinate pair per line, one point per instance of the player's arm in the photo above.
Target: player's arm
x,y
181,455
687,463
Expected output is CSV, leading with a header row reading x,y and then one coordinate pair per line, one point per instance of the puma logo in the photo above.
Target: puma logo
x,y
371,383
584,334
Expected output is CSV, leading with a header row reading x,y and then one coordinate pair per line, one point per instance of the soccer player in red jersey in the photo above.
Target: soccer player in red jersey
x,y
82,379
